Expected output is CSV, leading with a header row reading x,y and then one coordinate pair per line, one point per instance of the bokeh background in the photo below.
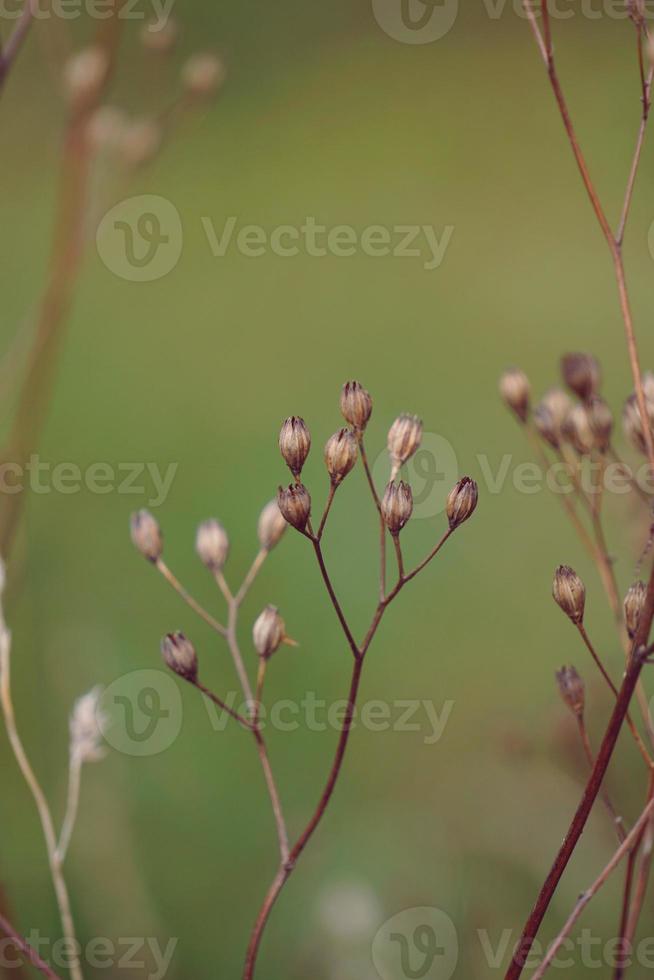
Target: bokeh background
x,y
326,115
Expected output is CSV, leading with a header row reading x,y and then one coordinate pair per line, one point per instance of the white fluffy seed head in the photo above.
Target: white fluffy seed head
x,y
87,722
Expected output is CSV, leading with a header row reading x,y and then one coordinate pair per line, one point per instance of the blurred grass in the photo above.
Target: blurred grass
x,y
324,115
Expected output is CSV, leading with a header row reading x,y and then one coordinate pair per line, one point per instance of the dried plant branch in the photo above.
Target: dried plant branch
x,y
72,806
47,825
193,604
592,891
592,788
24,947
10,50
616,819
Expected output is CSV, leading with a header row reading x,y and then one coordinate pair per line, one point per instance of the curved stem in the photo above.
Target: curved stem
x,y
72,805
27,951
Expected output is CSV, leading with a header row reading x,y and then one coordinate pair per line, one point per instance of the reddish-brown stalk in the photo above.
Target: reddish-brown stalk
x,y
24,947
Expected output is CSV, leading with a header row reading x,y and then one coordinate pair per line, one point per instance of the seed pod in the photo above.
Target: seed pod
x,y
84,75
578,431
571,689
550,415
294,443
462,502
515,390
212,544
341,452
403,440
268,632
295,504
179,654
633,606
202,75
271,525
569,593
356,405
632,422
600,418
160,37
545,425
397,506
146,535
140,141
581,373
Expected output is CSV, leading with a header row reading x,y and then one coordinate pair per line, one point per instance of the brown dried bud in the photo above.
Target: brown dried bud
x,y
268,632
571,688
356,405
212,544
578,431
202,75
569,593
341,452
271,525
146,535
550,416
632,422
160,37
397,506
179,654
633,606
403,440
462,502
600,418
295,504
294,443
581,373
515,390
84,75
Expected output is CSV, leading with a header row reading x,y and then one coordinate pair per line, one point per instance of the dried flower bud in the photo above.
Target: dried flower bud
x,y
268,632
569,593
202,75
578,431
581,373
515,390
633,606
403,440
271,525
87,722
179,654
341,452
632,422
356,405
600,418
160,37
571,688
139,142
212,544
295,504
106,128
84,75
146,535
397,506
462,502
550,416
294,443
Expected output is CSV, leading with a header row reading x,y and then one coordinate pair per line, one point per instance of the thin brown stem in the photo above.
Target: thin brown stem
x,y
328,506
616,819
382,523
199,610
24,947
16,39
223,707
398,554
586,896
615,456
332,595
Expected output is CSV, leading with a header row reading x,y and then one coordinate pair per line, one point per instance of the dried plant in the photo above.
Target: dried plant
x,y
576,434
294,507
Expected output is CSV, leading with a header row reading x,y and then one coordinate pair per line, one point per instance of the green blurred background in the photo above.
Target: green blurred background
x,y
324,114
